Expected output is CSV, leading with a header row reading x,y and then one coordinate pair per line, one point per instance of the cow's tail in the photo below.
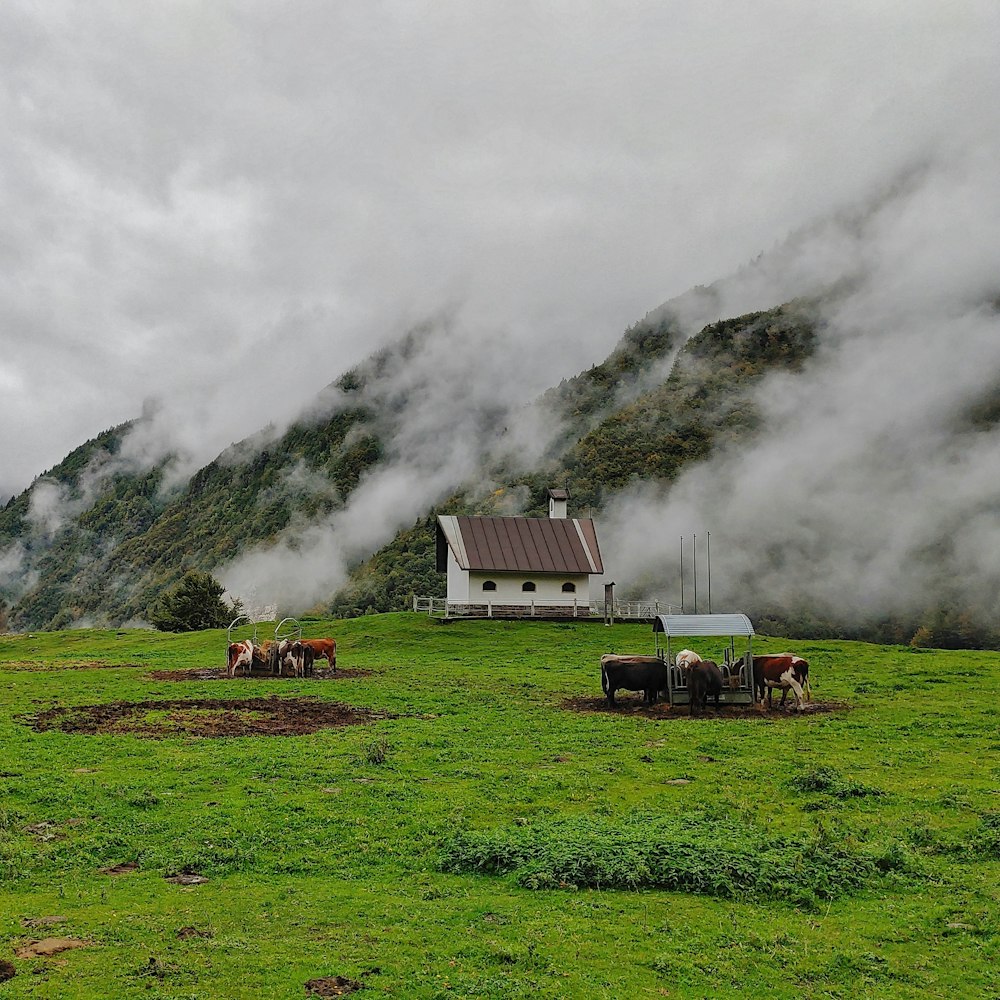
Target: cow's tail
x,y
807,687
604,679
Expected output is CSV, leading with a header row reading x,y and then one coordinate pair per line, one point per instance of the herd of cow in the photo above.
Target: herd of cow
x,y
705,679
294,656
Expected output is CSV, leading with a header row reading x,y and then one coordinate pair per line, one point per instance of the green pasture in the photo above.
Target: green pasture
x,y
484,839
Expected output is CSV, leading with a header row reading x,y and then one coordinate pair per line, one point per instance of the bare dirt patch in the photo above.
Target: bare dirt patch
x,y
186,933
211,717
48,946
121,869
333,986
662,710
222,674
39,666
186,878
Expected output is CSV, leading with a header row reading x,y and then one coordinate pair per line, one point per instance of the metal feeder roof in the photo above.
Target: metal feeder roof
x,y
711,625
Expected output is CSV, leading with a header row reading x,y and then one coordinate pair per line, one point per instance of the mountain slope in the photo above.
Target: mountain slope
x,y
702,404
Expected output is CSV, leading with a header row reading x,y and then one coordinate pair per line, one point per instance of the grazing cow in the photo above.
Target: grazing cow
x,y
281,656
240,654
323,648
784,670
633,673
301,656
704,678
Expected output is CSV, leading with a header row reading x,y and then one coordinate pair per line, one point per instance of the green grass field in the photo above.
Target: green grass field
x,y
480,838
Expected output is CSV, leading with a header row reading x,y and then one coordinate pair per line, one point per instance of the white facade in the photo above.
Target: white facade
x,y
466,587
458,581
548,588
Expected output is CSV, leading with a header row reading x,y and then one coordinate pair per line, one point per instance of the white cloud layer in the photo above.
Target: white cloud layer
x,y
870,491
198,197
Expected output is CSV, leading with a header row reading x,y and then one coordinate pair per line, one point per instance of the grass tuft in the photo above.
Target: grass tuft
x,y
829,781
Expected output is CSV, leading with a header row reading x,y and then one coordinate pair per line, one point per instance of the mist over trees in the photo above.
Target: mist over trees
x,y
100,539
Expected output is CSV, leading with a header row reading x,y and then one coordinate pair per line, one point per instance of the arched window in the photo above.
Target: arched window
x,y
569,588
528,587
489,585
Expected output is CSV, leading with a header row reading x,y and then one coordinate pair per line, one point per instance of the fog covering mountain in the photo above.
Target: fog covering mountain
x,y
829,414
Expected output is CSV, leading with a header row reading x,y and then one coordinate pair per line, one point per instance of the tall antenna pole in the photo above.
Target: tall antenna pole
x,y
682,574
694,563
708,535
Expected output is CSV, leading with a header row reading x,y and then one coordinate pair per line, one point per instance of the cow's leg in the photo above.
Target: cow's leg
x,y
788,679
797,691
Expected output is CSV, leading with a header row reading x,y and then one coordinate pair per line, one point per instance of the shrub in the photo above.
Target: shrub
x,y
828,779
684,854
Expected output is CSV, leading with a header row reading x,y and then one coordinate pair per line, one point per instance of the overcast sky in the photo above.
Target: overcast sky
x,y
199,195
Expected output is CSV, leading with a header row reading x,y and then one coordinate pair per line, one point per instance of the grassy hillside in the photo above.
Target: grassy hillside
x,y
491,831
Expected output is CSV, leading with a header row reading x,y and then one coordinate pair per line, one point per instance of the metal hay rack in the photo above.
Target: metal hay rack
x,y
737,668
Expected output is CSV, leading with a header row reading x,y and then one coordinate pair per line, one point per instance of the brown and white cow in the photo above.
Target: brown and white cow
x,y
240,654
781,670
281,656
323,649
301,656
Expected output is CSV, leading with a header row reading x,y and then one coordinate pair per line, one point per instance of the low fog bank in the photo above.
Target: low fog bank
x,y
870,491
448,401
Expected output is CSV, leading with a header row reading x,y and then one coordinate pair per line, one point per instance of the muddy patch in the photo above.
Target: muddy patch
x,y
37,665
211,717
187,933
222,674
121,869
662,710
333,986
48,946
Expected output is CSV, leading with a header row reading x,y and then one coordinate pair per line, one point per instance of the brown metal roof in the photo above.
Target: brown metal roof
x,y
524,544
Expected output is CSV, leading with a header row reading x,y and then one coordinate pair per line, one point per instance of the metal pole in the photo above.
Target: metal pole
x,y
682,574
708,536
694,561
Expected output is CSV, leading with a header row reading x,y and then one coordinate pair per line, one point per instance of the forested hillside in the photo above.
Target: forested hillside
x,y
110,541
702,403
98,539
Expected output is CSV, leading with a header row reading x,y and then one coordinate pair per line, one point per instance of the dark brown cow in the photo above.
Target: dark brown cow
x,y
782,670
274,656
704,678
633,673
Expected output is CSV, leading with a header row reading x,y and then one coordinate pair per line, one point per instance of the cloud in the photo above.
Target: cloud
x,y
224,207
219,209
870,491
443,403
